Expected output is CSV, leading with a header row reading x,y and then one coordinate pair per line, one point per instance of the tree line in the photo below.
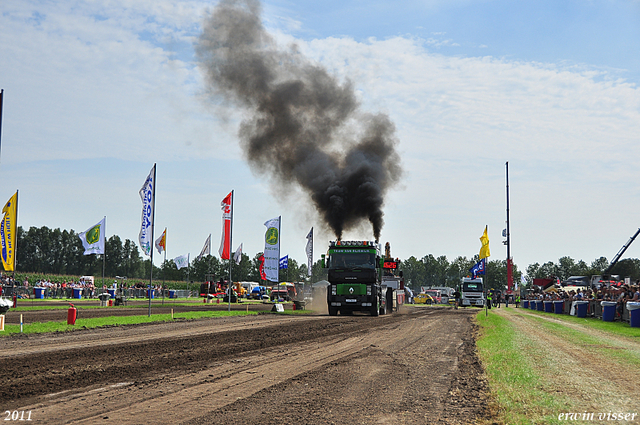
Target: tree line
x,y
43,250
60,252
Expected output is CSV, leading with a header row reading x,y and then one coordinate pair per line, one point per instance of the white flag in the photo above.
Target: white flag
x,y
181,261
272,249
93,238
206,249
237,257
148,205
309,250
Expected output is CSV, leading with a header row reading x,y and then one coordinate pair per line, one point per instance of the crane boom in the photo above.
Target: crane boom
x,y
619,254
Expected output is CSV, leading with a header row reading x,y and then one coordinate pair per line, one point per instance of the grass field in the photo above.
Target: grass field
x,y
62,326
541,366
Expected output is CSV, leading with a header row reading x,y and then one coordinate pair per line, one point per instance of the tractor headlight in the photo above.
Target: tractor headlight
x,y
334,290
368,289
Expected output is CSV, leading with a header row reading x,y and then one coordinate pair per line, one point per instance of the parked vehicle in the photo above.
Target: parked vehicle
x,y
279,294
423,299
435,294
258,293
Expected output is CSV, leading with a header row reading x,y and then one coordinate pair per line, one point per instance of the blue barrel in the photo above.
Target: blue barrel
x,y
150,292
112,293
581,308
525,304
172,293
634,318
539,306
558,307
608,311
548,307
77,293
39,293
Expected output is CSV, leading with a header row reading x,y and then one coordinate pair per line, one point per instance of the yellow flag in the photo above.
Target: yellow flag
x,y
8,233
484,250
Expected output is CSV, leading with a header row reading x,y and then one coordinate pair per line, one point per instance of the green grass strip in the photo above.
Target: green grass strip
x,y
36,327
600,344
519,390
616,328
65,305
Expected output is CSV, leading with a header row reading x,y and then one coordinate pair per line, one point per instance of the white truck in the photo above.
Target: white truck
x,y
472,292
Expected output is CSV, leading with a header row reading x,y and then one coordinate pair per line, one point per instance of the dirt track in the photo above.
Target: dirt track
x,y
419,367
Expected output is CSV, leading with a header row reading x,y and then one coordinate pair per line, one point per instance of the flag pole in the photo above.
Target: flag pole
x,y
230,245
486,277
153,216
509,265
15,247
104,254
279,243
1,105
163,264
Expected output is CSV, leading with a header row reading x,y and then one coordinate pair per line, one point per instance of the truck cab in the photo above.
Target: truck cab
x,y
472,292
354,274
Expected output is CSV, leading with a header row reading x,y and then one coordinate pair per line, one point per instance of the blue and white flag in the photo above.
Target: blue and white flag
x,y
148,205
284,262
478,268
237,256
309,250
523,280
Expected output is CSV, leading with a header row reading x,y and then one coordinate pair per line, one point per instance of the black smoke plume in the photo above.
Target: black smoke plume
x,y
305,126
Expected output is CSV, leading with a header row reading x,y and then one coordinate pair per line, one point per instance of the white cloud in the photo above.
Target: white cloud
x,y
115,79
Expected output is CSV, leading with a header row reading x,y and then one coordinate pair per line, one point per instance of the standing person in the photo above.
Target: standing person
x,y
456,295
489,298
517,300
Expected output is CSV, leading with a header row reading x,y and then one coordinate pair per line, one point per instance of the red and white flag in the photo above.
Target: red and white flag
x,y
263,276
161,242
225,242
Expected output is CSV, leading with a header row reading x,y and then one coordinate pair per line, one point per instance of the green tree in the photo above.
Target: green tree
x,y
599,266
413,271
242,271
629,267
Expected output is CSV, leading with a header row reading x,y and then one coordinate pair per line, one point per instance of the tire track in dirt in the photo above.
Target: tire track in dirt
x,y
404,365
21,345
598,382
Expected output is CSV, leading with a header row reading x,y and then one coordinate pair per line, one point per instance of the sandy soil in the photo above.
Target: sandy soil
x,y
412,368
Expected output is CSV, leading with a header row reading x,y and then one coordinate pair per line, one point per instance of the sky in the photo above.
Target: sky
x,y
95,93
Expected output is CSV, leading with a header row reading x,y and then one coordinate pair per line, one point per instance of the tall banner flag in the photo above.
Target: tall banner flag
x,y
225,241
484,250
309,250
182,261
284,262
146,195
93,238
261,268
272,249
478,268
237,256
161,242
206,249
8,231
1,102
